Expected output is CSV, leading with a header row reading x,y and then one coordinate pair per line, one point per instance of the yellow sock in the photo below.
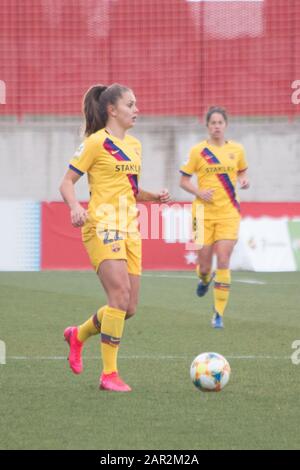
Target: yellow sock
x,y
204,277
221,290
111,333
92,326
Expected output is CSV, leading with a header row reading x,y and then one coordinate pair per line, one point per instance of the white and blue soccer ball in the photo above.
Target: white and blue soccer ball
x,y
210,372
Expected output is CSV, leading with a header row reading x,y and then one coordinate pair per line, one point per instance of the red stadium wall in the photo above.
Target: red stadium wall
x,y
178,56
61,246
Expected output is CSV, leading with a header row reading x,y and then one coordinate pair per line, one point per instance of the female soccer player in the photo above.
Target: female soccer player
x,y
218,164
112,160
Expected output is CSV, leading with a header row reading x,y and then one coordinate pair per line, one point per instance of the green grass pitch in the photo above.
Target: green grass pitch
x,y
44,406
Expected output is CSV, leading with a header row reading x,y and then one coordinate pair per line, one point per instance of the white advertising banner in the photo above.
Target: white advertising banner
x,y
264,245
20,236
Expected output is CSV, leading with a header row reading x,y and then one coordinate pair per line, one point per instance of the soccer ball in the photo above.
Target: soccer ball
x,y
210,372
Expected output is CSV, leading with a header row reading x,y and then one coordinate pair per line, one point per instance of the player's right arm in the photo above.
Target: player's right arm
x,y
81,163
187,170
77,212
187,185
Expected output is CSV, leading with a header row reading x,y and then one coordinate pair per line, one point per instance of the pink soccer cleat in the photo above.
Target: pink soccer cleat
x,y
75,359
113,383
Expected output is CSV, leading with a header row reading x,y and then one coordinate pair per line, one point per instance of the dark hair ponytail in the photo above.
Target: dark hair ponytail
x,y
216,109
91,109
95,103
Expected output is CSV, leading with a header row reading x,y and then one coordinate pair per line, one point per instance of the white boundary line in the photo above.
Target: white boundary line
x,y
141,357
243,281
185,276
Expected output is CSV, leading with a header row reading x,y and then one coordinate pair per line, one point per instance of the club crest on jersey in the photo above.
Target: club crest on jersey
x,y
115,247
231,156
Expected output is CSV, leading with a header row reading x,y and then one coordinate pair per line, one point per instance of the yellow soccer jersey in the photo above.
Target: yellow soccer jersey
x,y
113,167
217,168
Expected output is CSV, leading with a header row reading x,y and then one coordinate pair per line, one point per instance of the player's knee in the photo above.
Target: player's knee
x,y
206,271
121,297
223,262
205,268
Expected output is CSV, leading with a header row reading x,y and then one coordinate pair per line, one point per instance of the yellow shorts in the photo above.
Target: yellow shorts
x,y
110,246
216,229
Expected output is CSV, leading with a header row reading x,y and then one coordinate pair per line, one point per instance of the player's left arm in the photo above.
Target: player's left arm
x,y
242,173
163,196
243,179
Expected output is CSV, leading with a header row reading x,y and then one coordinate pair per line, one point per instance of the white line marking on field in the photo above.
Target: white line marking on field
x,y
250,281
141,357
186,276
170,276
